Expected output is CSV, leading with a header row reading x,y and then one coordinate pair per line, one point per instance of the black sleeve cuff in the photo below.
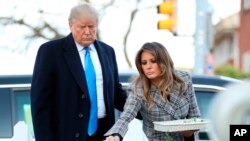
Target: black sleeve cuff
x,y
191,138
116,134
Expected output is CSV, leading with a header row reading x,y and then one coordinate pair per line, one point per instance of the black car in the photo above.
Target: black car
x,y
15,101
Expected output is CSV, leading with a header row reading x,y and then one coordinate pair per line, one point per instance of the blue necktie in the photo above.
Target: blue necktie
x,y
91,82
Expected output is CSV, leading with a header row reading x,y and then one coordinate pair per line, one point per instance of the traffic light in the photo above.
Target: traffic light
x,y
168,8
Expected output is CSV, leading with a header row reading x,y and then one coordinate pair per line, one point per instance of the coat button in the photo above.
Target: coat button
x,y
80,115
77,135
82,96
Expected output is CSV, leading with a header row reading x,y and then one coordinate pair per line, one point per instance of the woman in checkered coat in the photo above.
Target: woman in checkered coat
x,y
159,93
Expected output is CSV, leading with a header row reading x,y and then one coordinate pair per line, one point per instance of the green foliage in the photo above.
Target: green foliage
x,y
169,138
230,71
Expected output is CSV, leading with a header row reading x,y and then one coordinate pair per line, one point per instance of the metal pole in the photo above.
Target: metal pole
x,y
201,35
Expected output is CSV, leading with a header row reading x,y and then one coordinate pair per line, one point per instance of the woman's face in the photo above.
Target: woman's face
x,y
150,67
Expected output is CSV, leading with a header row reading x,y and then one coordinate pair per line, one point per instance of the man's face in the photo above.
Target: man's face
x,y
83,30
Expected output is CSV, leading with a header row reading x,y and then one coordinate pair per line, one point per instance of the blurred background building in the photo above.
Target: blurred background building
x,y
231,46
244,34
225,45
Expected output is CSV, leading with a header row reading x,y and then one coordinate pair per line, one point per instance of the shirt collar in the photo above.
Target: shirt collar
x,y
81,48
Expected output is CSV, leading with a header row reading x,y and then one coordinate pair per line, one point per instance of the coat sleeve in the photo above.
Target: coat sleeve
x,y
42,95
193,108
131,108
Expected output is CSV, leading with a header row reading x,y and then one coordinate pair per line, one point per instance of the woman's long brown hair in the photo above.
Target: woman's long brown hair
x,y
169,78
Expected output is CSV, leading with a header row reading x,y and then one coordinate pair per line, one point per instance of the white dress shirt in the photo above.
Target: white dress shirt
x,y
99,78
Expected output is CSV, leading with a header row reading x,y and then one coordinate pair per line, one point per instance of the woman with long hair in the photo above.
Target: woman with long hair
x,y
159,93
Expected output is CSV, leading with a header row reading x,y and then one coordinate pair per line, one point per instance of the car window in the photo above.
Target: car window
x,y
14,107
204,99
6,130
22,108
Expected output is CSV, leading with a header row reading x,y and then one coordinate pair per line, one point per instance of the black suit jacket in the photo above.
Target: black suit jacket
x,y
59,97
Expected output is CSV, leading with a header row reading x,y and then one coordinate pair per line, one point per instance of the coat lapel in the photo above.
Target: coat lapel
x,y
169,107
74,62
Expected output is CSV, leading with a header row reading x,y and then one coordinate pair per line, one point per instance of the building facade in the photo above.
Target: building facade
x,y
231,44
244,35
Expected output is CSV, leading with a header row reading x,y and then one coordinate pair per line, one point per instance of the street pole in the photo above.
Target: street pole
x,y
202,31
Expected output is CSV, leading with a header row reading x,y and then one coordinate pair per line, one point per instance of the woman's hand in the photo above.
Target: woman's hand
x,y
188,133
112,138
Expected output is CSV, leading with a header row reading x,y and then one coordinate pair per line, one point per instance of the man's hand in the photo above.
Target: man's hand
x,y
112,138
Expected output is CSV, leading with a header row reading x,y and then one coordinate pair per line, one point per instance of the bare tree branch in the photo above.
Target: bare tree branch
x,y
47,31
132,16
37,31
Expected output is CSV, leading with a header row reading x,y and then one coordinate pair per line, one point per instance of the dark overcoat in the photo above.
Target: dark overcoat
x,y
60,101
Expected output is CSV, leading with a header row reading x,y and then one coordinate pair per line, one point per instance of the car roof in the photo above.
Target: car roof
x,y
213,80
222,81
15,79
126,77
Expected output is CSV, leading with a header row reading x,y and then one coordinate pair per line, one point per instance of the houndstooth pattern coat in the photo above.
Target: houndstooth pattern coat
x,y
178,107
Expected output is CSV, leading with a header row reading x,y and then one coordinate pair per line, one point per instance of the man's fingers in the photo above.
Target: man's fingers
x,y
117,138
112,138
